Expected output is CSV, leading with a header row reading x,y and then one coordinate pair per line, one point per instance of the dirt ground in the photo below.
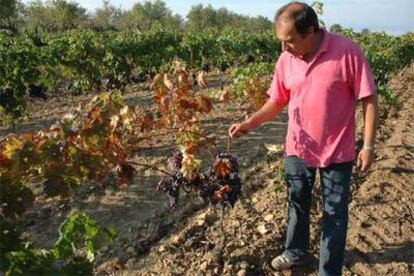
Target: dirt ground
x,y
194,240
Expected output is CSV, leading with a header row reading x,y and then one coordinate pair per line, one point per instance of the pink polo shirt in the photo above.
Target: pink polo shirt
x,y
321,97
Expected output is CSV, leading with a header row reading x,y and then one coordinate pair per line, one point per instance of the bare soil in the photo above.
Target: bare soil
x,y
195,240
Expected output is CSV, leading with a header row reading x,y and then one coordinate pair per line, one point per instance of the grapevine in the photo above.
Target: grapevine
x,y
87,61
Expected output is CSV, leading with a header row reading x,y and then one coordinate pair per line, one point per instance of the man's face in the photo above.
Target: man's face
x,y
291,40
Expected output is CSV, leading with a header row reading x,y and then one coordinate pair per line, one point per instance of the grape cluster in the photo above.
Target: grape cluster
x,y
176,160
201,184
220,184
172,189
231,178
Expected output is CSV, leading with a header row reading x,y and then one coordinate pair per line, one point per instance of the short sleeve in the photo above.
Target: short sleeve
x,y
277,91
361,79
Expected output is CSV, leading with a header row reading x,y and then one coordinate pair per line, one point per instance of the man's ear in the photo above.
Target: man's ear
x,y
310,30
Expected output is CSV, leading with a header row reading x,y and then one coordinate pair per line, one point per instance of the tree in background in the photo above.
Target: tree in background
x,y
202,17
260,23
149,15
365,31
318,7
250,24
60,15
106,17
10,14
54,16
336,28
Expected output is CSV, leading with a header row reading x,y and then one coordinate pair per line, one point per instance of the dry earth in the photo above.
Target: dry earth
x,y
381,227
194,240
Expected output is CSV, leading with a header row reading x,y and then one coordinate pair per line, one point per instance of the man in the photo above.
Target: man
x,y
319,76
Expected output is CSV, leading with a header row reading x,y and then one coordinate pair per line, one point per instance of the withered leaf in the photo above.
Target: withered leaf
x,y
222,168
220,194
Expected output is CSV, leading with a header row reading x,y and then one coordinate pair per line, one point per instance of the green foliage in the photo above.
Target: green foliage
x,y
336,28
229,48
383,54
81,60
87,61
148,16
199,49
250,84
202,18
76,228
8,13
243,74
54,16
143,54
389,97
78,233
106,17
20,66
318,7
387,55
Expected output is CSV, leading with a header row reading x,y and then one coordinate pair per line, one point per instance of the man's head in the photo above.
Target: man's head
x,y
296,24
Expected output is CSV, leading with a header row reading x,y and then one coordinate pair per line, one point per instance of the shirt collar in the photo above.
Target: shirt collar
x,y
325,42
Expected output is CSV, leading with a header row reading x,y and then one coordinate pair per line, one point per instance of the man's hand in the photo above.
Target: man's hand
x,y
237,130
365,159
366,155
268,111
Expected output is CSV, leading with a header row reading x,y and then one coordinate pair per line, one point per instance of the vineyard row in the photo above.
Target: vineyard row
x,y
86,61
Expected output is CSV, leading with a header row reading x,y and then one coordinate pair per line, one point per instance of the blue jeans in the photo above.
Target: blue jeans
x,y
335,183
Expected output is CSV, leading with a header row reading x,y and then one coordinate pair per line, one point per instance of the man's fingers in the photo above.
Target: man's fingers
x,y
363,167
233,130
358,164
237,130
363,164
364,161
366,165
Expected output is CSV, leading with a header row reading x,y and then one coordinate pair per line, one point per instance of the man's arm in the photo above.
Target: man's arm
x,y
268,111
370,111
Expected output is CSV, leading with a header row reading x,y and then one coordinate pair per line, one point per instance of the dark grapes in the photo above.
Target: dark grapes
x,y
176,160
220,184
203,187
232,179
182,181
172,189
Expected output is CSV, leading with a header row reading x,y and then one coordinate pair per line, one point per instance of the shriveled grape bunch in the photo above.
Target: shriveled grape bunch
x,y
225,175
220,184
